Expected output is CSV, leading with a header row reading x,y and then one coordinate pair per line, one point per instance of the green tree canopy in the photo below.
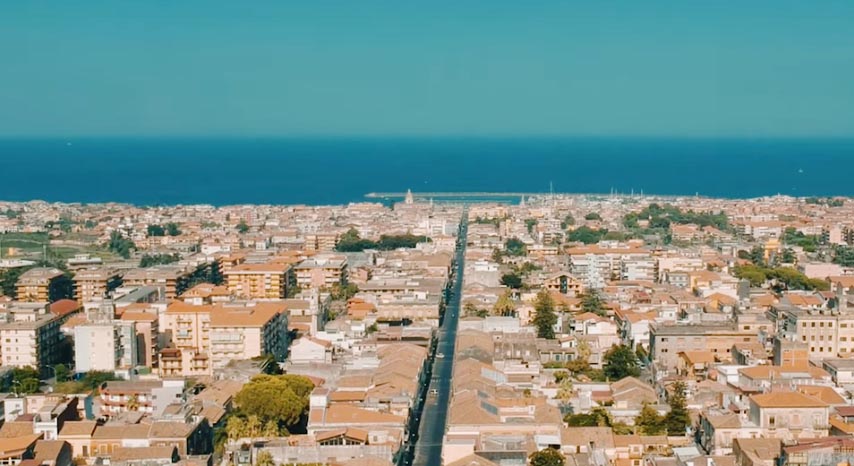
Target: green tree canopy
x,y
512,280
505,306
120,245
547,457
515,247
279,398
592,302
593,216
156,230
586,235
621,362
678,419
649,422
545,317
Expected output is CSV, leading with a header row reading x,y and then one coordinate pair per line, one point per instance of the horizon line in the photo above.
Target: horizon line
x,y
412,136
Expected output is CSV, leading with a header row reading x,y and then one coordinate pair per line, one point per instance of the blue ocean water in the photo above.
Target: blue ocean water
x,y
341,170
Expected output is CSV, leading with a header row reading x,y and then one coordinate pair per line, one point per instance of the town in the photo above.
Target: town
x,y
554,330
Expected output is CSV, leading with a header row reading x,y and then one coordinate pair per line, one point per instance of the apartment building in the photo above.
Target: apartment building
x,y
188,329
104,343
173,279
239,332
258,281
29,336
321,242
95,283
43,284
595,265
322,271
827,333
667,341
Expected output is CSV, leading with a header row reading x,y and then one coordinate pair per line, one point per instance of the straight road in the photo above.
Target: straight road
x,y
428,447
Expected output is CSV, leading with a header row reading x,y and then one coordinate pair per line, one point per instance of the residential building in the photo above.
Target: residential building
x,y
95,283
258,281
42,284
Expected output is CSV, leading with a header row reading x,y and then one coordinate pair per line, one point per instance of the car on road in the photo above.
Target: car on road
x,y
440,355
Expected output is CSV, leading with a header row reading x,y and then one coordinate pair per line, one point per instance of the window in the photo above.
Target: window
x,y
771,421
843,325
812,324
821,324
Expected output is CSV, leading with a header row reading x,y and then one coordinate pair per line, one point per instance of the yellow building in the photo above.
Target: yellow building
x,y
258,281
42,284
189,329
94,283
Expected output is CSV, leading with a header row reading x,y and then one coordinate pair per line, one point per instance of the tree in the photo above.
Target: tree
x,y
649,422
530,224
568,221
25,380
470,310
545,317
565,392
61,373
592,302
515,247
282,398
343,293
156,230
586,235
677,420
242,227
621,362
172,229
593,216
757,256
235,428
547,457
512,280
271,429
120,245
264,458
504,306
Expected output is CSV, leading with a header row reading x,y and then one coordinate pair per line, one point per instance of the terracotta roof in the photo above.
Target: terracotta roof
x,y
75,428
787,400
64,307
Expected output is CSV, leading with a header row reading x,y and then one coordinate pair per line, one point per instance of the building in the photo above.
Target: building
x,y
240,332
173,279
187,328
30,336
258,281
322,271
104,343
790,415
43,284
95,283
667,341
826,333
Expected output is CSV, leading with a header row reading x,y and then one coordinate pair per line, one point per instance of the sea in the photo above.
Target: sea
x,y
340,170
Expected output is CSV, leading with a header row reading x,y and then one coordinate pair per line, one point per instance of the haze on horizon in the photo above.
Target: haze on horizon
x,y
272,68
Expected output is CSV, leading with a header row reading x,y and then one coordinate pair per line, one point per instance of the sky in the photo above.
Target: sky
x,y
427,68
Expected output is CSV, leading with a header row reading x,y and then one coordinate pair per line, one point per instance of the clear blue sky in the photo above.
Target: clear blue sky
x,y
492,67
